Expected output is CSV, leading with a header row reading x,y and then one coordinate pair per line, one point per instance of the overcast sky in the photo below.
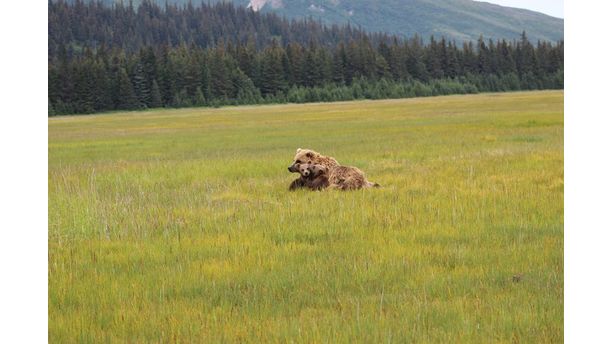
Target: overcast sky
x,y
550,7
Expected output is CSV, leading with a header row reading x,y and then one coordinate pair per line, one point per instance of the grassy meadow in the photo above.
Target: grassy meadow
x,y
176,225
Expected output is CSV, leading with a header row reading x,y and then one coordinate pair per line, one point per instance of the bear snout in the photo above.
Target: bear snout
x,y
293,168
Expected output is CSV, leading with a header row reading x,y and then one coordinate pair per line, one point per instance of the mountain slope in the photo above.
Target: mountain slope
x,y
455,19
460,20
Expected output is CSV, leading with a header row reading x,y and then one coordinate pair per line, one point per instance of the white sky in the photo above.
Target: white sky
x,y
550,7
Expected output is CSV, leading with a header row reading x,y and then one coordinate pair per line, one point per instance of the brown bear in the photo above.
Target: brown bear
x,y
339,177
317,178
304,156
298,183
305,174
312,176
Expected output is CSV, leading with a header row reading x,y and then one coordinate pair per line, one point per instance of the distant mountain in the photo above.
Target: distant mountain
x,y
455,19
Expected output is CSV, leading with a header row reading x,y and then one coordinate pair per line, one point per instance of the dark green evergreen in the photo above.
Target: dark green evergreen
x,y
285,62
127,98
156,100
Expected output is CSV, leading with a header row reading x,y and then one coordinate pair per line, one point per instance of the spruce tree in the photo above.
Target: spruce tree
x,y
506,61
193,78
339,65
149,66
166,77
156,100
127,98
53,83
205,78
382,68
199,99
247,92
141,89
433,61
272,72
102,88
484,59
85,87
51,109
295,72
220,81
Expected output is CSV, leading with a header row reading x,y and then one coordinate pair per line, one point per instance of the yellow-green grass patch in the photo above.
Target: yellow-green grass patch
x,y
177,226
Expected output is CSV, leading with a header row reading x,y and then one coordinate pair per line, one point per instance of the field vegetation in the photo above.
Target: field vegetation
x,y
176,225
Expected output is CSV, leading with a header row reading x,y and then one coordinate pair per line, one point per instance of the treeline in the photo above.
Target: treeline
x,y
88,23
112,71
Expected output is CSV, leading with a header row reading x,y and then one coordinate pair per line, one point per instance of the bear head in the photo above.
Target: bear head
x,y
302,156
317,170
305,170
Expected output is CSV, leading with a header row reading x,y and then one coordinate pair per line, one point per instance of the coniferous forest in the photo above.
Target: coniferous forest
x,y
121,57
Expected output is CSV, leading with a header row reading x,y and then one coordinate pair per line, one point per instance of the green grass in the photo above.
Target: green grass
x,y
177,226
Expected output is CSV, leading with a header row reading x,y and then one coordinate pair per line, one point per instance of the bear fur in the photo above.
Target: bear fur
x,y
305,156
317,178
302,181
339,177
312,176
298,183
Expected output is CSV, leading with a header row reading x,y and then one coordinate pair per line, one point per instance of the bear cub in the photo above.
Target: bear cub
x,y
312,176
317,177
